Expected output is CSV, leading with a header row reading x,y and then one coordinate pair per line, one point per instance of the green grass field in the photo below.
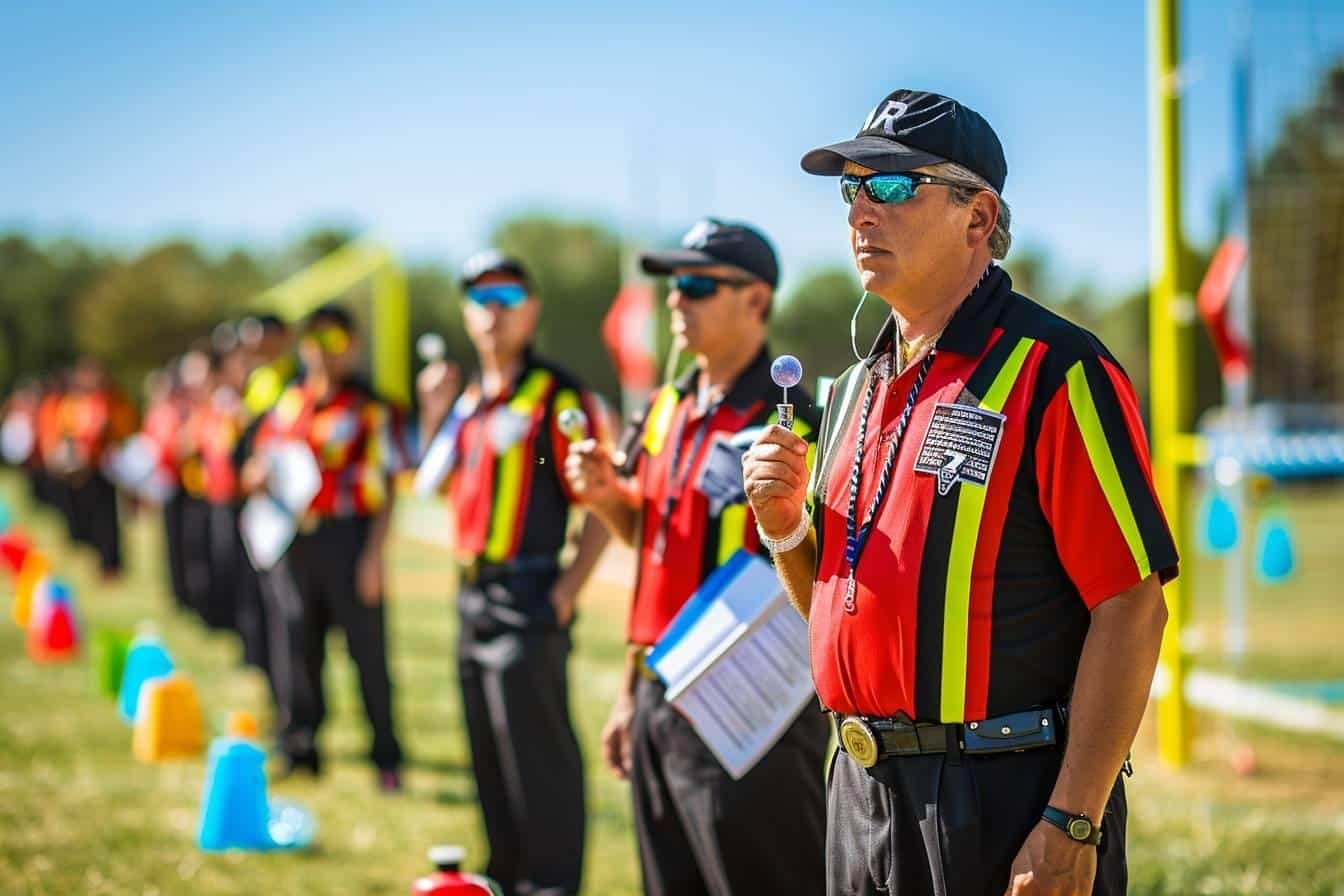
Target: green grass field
x,y
79,815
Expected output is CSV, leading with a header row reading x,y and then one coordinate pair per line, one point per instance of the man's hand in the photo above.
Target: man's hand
x,y
774,471
1051,864
369,576
437,387
252,477
591,473
564,600
616,736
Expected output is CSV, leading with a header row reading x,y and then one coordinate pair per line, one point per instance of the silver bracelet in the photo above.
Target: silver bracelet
x,y
790,541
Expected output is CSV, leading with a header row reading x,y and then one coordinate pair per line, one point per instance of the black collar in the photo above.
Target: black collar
x,y
968,332
750,385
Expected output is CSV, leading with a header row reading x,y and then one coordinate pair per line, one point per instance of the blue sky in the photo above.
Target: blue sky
x,y
428,122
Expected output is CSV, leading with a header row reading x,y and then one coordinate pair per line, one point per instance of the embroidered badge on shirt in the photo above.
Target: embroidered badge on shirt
x,y
507,426
960,445
721,477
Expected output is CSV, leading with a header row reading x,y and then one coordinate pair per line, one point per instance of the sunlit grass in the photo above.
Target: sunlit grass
x,y
79,815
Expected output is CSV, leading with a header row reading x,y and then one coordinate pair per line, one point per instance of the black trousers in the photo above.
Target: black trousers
x,y
512,668
93,519
948,826
193,540
233,583
172,539
701,832
311,589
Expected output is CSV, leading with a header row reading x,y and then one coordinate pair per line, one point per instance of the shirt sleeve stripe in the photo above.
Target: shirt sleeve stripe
x,y
1103,464
961,557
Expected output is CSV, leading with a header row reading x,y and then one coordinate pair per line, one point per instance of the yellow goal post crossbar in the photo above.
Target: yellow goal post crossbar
x,y
334,274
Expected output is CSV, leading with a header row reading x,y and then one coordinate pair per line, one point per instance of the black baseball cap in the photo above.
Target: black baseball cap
x,y
912,128
712,242
493,261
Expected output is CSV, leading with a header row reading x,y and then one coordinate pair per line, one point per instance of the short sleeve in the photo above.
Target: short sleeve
x,y
1096,483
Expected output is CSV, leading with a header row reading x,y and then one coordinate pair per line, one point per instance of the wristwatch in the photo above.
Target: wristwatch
x,y
1077,827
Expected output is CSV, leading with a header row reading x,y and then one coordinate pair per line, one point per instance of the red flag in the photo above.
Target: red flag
x,y
627,331
1234,351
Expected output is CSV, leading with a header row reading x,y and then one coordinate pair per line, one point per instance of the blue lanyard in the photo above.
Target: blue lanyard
x,y
856,536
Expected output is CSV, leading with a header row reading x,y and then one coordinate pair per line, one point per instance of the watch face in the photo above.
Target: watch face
x,y
1080,828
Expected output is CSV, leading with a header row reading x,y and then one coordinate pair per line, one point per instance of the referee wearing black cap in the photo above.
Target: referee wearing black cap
x,y
980,550
516,601
679,500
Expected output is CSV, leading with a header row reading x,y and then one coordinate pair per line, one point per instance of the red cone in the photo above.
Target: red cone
x,y
53,636
14,548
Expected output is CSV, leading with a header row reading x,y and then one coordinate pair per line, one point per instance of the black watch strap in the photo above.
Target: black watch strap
x,y
1079,828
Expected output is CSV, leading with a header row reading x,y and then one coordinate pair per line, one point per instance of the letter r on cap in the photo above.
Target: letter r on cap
x,y
887,114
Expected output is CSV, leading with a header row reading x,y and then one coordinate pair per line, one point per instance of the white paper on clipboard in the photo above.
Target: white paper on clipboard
x,y
269,520
735,662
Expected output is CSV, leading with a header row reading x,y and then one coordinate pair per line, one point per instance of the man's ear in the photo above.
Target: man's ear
x,y
759,297
984,217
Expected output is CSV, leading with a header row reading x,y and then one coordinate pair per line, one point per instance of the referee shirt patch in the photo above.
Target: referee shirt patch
x,y
960,445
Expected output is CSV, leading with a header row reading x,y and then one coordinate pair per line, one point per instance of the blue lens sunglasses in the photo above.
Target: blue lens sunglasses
x,y
888,188
699,286
505,295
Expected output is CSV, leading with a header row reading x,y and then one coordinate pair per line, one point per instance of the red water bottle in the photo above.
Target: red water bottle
x,y
449,880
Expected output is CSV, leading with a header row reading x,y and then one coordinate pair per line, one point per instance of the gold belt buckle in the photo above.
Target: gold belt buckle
x,y
859,741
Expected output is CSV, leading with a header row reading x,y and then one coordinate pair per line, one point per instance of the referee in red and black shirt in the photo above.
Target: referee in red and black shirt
x,y
516,601
983,559
682,504
334,571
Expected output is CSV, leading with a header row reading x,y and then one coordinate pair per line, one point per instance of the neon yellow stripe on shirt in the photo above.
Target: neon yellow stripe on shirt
x,y
961,558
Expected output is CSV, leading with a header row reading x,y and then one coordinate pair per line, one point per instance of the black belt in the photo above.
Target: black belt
x,y
479,571
871,740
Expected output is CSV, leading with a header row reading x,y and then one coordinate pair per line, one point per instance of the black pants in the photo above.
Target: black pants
x,y
172,539
940,826
193,539
233,583
529,772
311,589
701,832
93,519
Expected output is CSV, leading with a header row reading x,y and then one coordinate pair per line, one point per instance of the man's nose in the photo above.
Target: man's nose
x,y
862,212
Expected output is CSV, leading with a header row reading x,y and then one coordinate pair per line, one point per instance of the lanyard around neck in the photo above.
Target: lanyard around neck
x,y
856,536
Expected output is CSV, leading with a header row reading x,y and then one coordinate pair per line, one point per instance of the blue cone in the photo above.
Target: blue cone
x,y
1276,550
234,810
1220,525
146,659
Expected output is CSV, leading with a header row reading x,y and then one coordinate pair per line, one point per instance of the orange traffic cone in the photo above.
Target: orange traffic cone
x,y
35,566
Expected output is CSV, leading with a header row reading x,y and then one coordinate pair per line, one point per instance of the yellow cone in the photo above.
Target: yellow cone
x,y
35,566
168,722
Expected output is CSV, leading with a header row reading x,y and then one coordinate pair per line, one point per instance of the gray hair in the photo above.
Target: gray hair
x,y
1002,237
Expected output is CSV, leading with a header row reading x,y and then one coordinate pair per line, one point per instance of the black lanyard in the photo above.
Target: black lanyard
x,y
856,536
676,479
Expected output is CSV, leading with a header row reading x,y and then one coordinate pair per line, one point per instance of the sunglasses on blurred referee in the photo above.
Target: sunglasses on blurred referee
x,y
505,295
331,340
700,286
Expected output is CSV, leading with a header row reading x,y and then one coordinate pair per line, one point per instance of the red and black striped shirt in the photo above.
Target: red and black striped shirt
x,y
690,524
356,438
508,490
1021,498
